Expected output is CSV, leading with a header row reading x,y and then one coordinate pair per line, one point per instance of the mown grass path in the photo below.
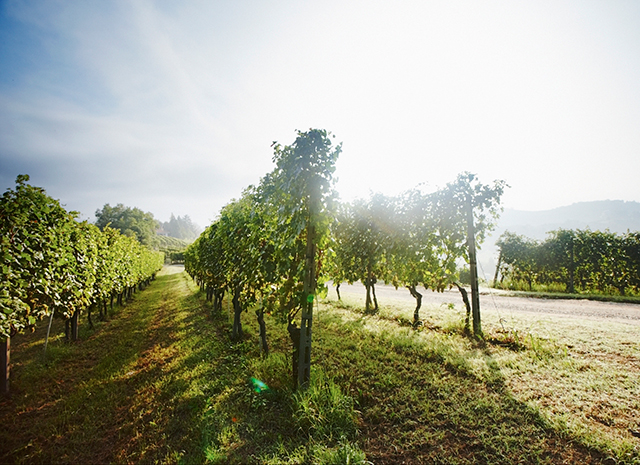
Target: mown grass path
x,y
127,392
161,382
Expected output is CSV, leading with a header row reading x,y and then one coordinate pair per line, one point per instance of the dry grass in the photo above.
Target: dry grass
x,y
582,375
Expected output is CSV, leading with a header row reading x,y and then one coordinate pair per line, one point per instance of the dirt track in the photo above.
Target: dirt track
x,y
493,299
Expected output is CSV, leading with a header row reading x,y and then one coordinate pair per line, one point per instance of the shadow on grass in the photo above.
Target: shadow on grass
x,y
419,402
161,382
422,402
106,398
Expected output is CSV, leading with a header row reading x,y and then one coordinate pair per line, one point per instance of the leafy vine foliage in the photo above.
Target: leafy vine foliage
x,y
49,262
280,241
258,248
413,239
574,260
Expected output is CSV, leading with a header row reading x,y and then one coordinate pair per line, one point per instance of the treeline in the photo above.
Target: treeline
x,y
573,261
131,222
171,239
134,222
275,244
52,264
181,227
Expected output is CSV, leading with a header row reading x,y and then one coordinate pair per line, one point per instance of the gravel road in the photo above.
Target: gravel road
x,y
494,299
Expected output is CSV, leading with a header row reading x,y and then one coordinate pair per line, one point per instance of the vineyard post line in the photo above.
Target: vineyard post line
x,y
5,352
304,352
473,269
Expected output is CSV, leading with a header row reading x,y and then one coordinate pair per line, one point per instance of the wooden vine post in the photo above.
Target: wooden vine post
x,y
473,269
304,350
74,325
495,276
314,205
5,351
572,266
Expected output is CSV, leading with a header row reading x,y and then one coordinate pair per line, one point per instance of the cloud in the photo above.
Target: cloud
x,y
173,107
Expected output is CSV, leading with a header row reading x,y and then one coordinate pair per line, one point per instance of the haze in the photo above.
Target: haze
x,y
173,106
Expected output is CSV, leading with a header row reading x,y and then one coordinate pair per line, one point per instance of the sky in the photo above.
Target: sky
x,y
172,107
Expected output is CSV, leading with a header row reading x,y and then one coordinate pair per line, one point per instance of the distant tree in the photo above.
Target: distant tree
x,y
181,228
131,222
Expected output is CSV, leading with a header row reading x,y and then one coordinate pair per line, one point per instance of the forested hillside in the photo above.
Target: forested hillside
x,y
615,215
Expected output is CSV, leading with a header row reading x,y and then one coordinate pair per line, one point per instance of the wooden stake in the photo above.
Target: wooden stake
x,y
304,351
5,352
473,269
74,326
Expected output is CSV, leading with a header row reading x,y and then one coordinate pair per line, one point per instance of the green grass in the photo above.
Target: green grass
x,y
160,382
558,291
628,299
117,395
582,377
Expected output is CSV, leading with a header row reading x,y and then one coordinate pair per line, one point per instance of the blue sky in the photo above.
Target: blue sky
x,y
173,106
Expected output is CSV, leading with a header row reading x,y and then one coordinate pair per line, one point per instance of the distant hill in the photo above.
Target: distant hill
x,y
615,215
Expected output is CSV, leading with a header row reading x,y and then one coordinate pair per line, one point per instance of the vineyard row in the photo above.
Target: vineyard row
x,y
572,261
50,263
271,248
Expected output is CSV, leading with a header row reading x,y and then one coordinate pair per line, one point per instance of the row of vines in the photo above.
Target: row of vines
x,y
284,238
262,248
411,240
52,264
571,261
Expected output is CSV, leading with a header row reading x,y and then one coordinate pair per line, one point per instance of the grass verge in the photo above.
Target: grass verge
x,y
626,299
162,383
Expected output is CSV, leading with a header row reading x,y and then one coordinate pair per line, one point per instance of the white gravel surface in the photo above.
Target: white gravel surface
x,y
494,299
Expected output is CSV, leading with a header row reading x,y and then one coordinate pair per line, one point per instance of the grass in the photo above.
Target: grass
x,y
582,377
627,299
160,382
558,291
117,395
